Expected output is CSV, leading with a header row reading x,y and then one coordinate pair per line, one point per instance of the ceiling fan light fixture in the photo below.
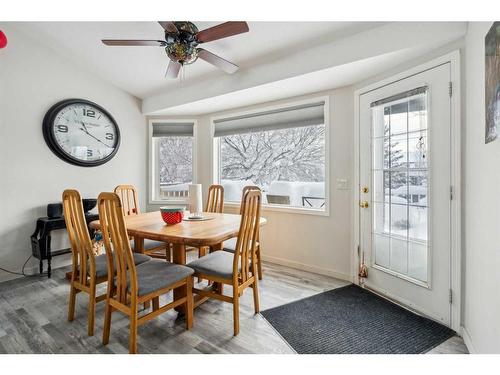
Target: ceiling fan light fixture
x,y
183,53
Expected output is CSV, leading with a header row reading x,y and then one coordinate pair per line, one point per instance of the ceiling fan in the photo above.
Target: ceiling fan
x,y
181,44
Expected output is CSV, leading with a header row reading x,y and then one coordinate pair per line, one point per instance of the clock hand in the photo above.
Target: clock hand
x,y
97,139
84,126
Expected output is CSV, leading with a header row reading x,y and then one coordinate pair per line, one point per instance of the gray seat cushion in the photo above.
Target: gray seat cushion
x,y
230,245
148,244
101,263
218,263
158,274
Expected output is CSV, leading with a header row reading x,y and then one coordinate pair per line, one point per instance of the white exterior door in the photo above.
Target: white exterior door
x,y
405,182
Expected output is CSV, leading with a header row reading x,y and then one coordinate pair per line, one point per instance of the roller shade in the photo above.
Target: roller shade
x,y
407,94
173,129
283,118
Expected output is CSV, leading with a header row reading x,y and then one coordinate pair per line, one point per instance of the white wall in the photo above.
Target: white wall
x,y
317,243
33,78
481,215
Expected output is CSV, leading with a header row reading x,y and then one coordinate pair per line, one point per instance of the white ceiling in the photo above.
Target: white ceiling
x,y
321,80
140,70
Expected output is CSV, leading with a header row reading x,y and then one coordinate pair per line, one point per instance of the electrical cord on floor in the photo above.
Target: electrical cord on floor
x,y
22,273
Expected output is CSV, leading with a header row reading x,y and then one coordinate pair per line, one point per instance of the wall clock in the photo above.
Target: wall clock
x,y
81,132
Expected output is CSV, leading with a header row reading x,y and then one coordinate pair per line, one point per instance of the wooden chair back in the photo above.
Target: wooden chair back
x,y
246,245
215,200
83,259
244,191
130,199
117,245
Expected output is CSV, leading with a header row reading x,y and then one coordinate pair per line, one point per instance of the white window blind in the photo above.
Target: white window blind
x,y
283,118
173,129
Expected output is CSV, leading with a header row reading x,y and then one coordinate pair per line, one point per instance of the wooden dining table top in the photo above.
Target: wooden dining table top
x,y
219,228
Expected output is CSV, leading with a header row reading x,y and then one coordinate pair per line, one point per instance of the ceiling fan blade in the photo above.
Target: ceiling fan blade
x,y
217,61
222,31
129,42
168,26
173,70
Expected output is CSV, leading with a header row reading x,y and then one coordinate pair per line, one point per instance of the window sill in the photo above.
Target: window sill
x,y
168,202
288,210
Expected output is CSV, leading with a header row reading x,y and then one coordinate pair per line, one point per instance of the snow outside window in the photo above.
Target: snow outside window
x,y
172,146
281,151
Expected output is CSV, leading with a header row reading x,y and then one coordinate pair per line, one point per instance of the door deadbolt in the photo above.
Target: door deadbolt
x,y
364,204
365,189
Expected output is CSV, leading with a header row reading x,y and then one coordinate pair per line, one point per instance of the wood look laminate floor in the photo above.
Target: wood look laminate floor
x,y
33,319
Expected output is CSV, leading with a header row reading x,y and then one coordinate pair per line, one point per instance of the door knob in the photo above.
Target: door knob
x,y
364,204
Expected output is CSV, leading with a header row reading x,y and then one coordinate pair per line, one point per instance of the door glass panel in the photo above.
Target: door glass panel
x,y
417,223
399,255
417,261
383,256
399,220
400,185
381,218
398,151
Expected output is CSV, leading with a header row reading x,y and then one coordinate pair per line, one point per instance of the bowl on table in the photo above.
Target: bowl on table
x,y
172,215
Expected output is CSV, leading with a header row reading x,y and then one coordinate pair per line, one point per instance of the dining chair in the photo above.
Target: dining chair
x,y
215,203
87,269
215,199
237,269
135,285
130,206
230,245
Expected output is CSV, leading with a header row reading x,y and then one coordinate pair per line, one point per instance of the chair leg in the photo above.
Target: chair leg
x,y
202,251
72,301
236,310
147,305
133,329
156,303
107,323
91,317
256,304
189,303
259,264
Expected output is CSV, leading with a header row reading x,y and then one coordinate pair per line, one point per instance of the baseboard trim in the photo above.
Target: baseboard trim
x,y
307,267
468,341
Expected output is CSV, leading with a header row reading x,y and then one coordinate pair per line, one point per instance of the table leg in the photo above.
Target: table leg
x,y
138,244
217,246
179,257
49,256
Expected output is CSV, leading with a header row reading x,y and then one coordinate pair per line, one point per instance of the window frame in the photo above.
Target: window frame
x,y
153,167
215,154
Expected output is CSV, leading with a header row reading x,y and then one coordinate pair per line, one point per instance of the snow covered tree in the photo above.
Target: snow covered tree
x,y
295,154
176,157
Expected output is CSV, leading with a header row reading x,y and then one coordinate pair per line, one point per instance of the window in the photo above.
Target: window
x,y
282,151
172,168
400,178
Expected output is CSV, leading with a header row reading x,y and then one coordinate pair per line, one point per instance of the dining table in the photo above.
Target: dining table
x,y
212,231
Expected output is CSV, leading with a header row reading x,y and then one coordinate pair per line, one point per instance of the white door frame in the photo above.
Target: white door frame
x,y
455,262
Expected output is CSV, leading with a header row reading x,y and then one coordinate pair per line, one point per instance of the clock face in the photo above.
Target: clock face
x,y
81,132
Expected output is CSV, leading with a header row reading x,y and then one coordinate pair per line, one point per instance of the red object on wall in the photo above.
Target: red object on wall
x,y
3,39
